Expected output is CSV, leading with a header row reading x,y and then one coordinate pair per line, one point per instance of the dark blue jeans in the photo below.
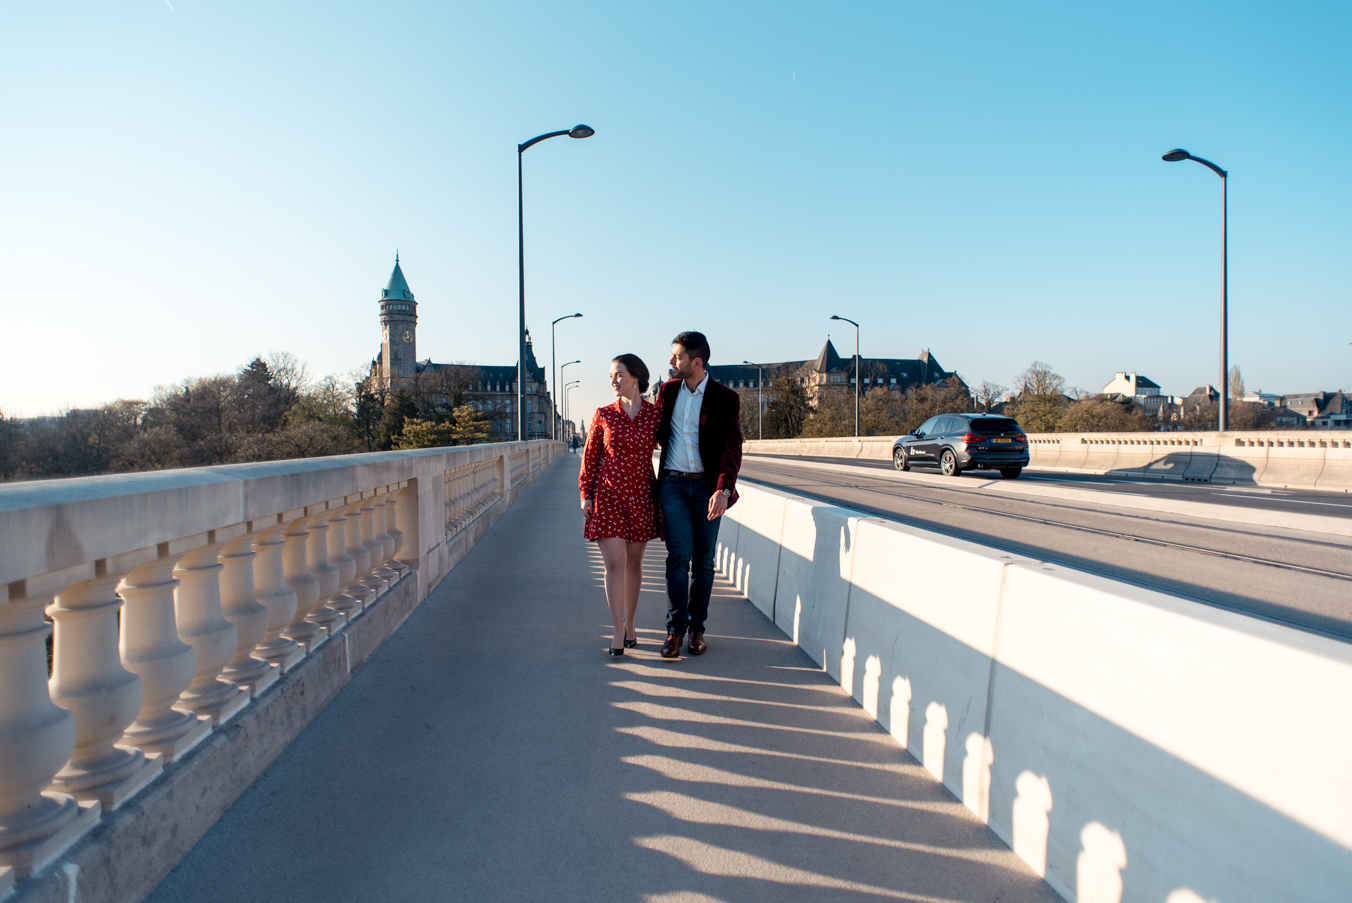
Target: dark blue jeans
x,y
691,538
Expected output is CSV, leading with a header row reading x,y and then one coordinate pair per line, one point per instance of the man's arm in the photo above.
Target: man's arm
x,y
730,459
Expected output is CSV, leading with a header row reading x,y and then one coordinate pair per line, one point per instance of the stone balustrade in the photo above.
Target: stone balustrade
x,y
177,599
1294,459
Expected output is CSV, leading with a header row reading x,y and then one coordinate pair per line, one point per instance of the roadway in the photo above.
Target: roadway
x,y
1277,554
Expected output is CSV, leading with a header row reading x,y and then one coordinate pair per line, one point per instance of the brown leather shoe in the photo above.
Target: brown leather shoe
x,y
672,647
697,644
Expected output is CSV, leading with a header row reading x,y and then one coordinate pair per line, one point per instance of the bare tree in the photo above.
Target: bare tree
x,y
988,394
1040,379
290,376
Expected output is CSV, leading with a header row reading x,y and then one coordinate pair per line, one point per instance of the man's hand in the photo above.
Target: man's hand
x,y
587,506
718,503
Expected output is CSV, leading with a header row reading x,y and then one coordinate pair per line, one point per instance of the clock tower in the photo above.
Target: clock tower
x,y
398,330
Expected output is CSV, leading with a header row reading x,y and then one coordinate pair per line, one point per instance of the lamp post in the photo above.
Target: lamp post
x,y
561,369
760,404
1223,387
553,371
568,387
856,371
577,131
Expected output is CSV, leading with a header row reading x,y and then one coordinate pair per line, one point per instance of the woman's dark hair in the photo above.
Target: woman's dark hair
x,y
636,368
695,345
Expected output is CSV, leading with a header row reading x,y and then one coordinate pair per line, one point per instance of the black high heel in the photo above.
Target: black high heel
x,y
616,651
631,644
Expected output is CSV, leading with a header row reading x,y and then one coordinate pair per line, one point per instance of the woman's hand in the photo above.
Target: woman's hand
x,y
587,506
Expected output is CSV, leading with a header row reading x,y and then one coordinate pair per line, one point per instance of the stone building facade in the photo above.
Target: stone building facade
x,y
830,369
488,388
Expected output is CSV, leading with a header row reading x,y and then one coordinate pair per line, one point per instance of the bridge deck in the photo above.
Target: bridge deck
x,y
492,751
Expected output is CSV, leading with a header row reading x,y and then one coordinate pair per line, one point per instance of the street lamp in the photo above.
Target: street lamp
x,y
554,373
760,406
856,371
565,367
1174,156
568,387
578,131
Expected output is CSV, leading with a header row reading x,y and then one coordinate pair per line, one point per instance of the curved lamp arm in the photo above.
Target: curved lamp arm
x,y
1179,153
577,131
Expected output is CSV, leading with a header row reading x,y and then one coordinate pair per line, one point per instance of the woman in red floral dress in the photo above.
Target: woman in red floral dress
x,y
616,485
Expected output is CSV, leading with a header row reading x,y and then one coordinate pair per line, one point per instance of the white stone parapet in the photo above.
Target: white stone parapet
x,y
180,596
1291,459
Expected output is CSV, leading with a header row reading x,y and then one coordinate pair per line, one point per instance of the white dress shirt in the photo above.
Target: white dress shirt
x,y
683,452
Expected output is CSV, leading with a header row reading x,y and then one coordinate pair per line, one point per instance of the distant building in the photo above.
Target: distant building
x,y
1198,398
830,369
1266,399
491,389
1144,392
1323,410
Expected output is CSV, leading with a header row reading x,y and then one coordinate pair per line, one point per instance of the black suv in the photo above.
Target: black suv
x,y
958,442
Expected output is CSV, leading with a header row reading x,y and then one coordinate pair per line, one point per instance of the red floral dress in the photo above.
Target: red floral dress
x,y
617,473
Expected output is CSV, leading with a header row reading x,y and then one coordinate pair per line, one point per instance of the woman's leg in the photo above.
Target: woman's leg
x,y
633,585
614,556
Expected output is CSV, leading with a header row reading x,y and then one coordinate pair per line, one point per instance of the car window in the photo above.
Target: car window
x,y
993,425
949,425
929,426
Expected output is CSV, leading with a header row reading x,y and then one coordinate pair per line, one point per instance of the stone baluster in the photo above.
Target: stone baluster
x,y
88,678
325,574
389,568
36,739
271,590
360,555
346,602
240,606
152,649
202,625
374,577
296,573
392,528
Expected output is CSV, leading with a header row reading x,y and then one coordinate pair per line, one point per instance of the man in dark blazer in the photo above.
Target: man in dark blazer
x,y
701,438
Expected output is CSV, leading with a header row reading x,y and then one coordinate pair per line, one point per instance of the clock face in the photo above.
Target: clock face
x,y
408,338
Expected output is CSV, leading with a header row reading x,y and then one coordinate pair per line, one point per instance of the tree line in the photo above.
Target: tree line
x,y
1040,402
270,409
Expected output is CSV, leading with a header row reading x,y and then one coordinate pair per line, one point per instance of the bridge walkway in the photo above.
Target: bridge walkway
x,y
491,750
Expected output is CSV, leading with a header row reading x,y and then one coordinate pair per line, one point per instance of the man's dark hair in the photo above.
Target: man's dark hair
x,y
637,369
695,345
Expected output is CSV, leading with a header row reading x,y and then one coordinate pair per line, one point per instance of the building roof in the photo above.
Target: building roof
x,y
397,288
1335,403
828,360
497,373
900,373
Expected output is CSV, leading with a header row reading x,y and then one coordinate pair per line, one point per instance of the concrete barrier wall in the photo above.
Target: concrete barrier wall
x,y
1307,459
1127,744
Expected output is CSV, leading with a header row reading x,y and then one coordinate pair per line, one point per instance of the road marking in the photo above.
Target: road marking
x,y
1293,501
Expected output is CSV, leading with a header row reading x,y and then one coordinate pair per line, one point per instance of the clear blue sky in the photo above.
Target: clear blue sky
x,y
185,187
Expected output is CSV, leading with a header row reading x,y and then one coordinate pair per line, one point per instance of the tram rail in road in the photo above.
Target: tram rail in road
x,y
1263,553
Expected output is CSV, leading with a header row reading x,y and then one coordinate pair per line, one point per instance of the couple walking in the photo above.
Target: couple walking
x,y
697,422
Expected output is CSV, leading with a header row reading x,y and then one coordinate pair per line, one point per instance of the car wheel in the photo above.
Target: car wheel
x,y
948,463
1010,473
899,459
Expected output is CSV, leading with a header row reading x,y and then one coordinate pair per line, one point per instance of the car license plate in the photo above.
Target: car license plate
x,y
1006,441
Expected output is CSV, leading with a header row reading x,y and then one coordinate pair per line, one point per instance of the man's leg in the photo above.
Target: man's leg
x,y
680,538
702,560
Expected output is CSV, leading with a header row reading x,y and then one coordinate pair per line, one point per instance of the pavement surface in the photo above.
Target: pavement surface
x,y
1286,563
491,750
